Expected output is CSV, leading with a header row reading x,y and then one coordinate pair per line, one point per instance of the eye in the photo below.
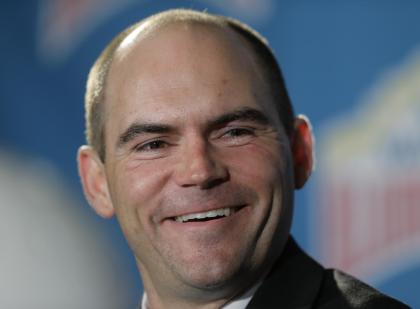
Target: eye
x,y
238,132
152,145
237,136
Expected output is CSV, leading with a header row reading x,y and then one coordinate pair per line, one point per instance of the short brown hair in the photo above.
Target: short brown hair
x,y
95,88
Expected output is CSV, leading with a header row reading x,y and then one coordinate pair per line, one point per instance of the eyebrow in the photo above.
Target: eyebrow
x,y
138,128
242,114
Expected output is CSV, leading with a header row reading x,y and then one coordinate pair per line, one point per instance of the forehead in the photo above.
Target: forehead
x,y
199,57
182,34
181,44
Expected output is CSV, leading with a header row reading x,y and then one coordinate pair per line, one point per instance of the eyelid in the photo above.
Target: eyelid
x,y
243,129
224,136
148,141
142,147
230,127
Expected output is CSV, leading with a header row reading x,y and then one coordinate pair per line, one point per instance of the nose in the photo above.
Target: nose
x,y
199,165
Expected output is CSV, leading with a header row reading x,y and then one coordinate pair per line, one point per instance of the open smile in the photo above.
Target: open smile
x,y
206,215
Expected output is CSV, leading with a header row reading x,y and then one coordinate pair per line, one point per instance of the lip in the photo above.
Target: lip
x,y
201,209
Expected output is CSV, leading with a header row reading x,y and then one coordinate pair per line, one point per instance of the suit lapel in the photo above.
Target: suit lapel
x,y
294,281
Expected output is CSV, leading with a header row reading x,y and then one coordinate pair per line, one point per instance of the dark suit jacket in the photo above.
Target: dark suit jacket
x,y
298,282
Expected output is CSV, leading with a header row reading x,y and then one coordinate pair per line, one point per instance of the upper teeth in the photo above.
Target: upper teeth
x,y
208,214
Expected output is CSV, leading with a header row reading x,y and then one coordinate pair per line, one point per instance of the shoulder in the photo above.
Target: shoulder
x,y
299,282
340,290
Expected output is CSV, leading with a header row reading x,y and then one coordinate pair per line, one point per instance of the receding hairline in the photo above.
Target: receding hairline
x,y
169,20
99,74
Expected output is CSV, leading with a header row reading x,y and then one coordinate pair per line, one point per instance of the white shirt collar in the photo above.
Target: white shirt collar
x,y
238,303
243,300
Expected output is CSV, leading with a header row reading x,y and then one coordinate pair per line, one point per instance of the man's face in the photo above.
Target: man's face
x,y
197,163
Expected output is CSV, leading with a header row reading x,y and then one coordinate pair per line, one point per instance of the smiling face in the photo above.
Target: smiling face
x,y
198,167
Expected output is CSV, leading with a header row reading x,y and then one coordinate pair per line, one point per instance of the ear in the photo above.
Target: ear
x,y
95,186
302,144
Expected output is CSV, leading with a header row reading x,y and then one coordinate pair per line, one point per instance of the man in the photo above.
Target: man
x,y
194,146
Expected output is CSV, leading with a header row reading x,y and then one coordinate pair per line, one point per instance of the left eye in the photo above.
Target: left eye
x,y
238,132
237,136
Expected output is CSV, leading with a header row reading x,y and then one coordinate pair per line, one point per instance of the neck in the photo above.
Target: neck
x,y
161,295
240,301
154,302
185,297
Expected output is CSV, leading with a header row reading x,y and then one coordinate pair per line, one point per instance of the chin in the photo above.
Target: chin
x,y
214,272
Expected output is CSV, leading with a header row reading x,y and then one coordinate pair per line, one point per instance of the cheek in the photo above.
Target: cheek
x,y
136,194
267,171
261,165
138,188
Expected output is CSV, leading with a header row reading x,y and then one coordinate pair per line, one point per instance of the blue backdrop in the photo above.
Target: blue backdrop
x,y
351,66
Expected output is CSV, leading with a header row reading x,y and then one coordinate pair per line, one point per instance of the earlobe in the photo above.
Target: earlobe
x,y
94,183
302,144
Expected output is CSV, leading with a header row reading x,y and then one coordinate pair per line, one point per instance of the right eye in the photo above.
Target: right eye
x,y
151,145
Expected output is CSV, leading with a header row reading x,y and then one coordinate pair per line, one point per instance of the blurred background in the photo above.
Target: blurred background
x,y
353,67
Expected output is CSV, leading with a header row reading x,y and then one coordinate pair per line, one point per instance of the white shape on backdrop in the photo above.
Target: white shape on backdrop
x,y
64,24
51,254
367,217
